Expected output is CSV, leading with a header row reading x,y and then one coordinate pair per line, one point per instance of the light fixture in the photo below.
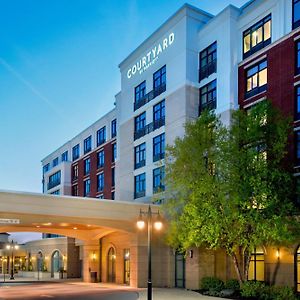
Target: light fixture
x,y
94,255
140,222
75,228
158,223
37,226
278,253
7,247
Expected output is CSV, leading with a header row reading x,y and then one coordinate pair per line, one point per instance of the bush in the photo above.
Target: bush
x,y
282,293
212,284
232,284
253,289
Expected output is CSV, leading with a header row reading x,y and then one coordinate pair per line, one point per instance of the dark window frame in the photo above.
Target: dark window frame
x,y
87,166
139,152
114,152
140,181
140,122
159,141
64,156
297,103
160,78
160,173
140,92
100,155
209,56
210,94
100,183
113,128
76,152
295,24
85,185
101,136
159,111
87,144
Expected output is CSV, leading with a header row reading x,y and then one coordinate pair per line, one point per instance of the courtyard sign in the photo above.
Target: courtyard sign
x,y
150,57
9,221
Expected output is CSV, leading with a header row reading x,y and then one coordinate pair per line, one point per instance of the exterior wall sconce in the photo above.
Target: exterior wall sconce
x,y
278,253
94,256
191,253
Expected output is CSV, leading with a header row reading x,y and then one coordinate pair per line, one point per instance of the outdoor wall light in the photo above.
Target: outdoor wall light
x,y
140,222
278,253
191,253
94,256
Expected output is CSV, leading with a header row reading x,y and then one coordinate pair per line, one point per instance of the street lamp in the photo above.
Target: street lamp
x,y
12,246
158,226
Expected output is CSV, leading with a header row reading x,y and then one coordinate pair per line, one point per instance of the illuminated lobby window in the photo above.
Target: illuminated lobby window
x,y
257,265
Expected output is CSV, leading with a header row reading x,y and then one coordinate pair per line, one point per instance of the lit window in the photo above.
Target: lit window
x,y
257,79
208,61
257,265
257,36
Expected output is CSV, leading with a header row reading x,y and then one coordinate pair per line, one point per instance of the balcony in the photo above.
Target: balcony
x,y
139,194
207,70
209,105
150,96
52,184
149,128
140,164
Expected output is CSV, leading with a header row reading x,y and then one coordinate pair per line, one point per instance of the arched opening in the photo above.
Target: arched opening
x,y
111,265
257,265
56,262
297,268
39,261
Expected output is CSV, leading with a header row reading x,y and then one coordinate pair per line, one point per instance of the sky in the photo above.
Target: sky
x,y
59,71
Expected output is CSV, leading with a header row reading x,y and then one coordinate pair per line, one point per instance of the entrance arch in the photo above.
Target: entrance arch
x,y
111,265
56,262
39,261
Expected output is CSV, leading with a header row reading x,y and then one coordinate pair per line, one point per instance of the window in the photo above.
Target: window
x,y
158,179
208,61
113,177
140,92
256,79
297,66
159,111
87,188
100,182
139,185
127,266
75,190
87,166
257,36
57,192
100,159
140,156
257,265
113,128
296,13
87,144
140,122
54,180
55,162
75,172
64,156
159,78
75,152
101,136
112,195
297,103
297,147
46,168
114,152
159,147
208,96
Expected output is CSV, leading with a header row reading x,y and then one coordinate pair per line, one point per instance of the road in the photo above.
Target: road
x,y
69,291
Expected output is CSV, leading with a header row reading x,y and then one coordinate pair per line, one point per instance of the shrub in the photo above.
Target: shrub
x,y
212,284
253,289
232,284
282,293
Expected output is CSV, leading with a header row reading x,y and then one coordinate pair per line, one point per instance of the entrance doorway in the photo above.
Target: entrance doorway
x,y
179,270
111,265
56,262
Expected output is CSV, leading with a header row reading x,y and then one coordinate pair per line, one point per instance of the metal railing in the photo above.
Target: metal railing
x,y
149,128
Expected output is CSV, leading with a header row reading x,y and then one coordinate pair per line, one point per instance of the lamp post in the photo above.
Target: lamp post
x,y
11,247
157,225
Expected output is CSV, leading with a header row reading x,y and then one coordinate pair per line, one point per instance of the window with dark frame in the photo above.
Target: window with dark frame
x,y
75,152
159,111
75,190
75,172
55,162
158,180
100,159
46,168
87,188
87,144
114,152
54,180
297,62
296,13
159,78
113,128
140,92
158,147
140,122
140,156
140,185
257,36
64,156
256,79
297,103
208,61
101,136
208,96
87,166
113,178
297,147
100,182
112,195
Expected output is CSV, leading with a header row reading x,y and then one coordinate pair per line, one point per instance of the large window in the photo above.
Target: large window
x,y
257,36
140,156
296,13
75,172
113,128
87,166
54,180
297,63
257,265
75,190
159,111
87,188
114,152
140,185
159,147
208,61
257,79
100,159
101,136
55,162
100,182
140,92
64,156
75,152
46,168
140,122
208,96
159,78
158,179
297,147
87,144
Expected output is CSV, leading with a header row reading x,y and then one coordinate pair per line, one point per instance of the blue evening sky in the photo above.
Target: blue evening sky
x,y
59,71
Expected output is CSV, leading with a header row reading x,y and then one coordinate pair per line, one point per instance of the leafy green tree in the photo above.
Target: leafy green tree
x,y
229,187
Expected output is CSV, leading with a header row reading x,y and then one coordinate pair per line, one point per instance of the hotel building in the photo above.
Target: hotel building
x,y
193,61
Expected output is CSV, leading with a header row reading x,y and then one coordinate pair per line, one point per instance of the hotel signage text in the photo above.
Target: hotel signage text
x,y
151,57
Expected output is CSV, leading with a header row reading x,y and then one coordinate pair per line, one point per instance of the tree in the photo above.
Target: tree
x,y
230,188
